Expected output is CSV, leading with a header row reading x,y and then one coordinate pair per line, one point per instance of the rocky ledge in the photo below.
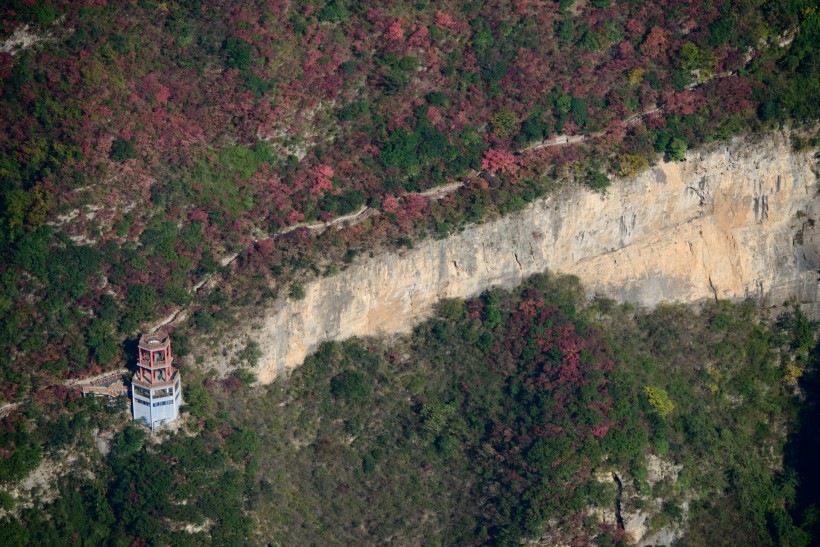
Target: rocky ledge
x,y
734,220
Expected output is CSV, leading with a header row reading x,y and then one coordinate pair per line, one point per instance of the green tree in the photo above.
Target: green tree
x,y
334,11
352,386
197,399
101,340
689,56
122,149
141,301
237,53
563,103
659,400
677,150
578,107
504,123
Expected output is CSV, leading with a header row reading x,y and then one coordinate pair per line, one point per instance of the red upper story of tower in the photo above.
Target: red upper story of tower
x,y
154,365
155,350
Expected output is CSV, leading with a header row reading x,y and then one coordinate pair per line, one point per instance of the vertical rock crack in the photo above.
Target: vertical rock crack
x,y
619,519
518,261
714,289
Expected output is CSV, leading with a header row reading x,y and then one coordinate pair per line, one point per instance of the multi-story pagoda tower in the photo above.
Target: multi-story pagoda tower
x,y
156,390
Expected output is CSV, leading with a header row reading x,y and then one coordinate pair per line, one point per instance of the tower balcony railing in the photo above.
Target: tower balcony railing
x,y
157,363
159,383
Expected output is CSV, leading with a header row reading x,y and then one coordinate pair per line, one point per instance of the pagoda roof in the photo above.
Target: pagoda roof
x,y
154,341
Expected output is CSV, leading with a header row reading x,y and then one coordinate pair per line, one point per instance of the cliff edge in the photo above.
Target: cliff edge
x,y
734,220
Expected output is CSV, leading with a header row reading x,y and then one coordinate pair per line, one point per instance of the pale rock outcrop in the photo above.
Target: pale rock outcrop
x,y
733,220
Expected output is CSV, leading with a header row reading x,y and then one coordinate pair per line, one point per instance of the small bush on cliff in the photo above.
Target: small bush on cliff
x,y
598,181
250,354
297,292
244,376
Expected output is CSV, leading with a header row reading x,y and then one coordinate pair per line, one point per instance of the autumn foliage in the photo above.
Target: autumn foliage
x,y
139,144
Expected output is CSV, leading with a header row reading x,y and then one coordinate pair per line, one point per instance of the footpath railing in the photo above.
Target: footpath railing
x,y
111,391
111,384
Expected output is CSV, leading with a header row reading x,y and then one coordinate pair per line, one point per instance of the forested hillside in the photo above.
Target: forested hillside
x,y
140,142
146,147
505,417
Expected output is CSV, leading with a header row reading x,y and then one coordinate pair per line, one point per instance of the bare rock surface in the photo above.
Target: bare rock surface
x,y
734,220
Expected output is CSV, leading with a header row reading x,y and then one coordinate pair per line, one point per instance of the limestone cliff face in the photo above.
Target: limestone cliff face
x,y
734,220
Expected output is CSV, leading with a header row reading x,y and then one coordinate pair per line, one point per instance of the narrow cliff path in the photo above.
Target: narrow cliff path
x,y
442,191
679,232
437,192
365,212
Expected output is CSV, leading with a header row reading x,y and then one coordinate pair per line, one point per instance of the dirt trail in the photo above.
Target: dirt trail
x,y
323,225
440,191
351,220
433,193
366,212
8,408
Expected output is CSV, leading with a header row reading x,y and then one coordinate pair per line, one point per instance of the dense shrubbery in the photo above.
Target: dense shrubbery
x,y
22,450
165,137
158,138
141,491
496,417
